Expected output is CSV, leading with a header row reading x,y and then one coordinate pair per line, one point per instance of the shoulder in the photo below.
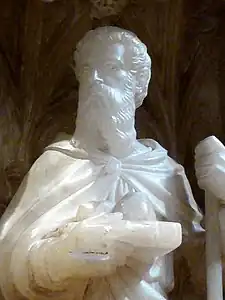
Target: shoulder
x,y
43,181
178,168
159,151
56,159
49,163
63,144
152,144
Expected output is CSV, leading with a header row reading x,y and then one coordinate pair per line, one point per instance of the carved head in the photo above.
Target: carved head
x,y
114,69
112,56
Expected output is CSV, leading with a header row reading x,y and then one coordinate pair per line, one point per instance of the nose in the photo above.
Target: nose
x,y
94,76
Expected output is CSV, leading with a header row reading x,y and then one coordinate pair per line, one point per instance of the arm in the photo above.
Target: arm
x,y
91,249
66,258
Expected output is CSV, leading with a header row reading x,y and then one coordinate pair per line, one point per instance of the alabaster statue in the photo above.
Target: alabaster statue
x,y
99,212
210,172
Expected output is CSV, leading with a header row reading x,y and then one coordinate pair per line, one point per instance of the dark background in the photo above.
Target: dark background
x,y
38,89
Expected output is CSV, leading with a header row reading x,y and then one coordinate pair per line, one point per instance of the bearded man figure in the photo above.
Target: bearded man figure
x,y
98,212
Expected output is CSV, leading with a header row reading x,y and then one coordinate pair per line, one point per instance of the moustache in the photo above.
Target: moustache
x,y
96,88
120,103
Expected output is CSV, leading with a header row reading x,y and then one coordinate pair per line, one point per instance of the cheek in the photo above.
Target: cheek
x,y
122,77
114,78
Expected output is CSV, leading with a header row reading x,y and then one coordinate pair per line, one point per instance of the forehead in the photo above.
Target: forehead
x,y
101,53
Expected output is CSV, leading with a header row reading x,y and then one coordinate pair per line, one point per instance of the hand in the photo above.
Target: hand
x,y
136,206
210,166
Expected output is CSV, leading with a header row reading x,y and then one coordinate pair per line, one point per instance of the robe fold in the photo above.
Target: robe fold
x,y
64,177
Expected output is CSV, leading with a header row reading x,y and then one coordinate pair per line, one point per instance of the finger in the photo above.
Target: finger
x,y
210,160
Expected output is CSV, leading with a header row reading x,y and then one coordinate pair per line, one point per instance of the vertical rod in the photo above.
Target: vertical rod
x,y
213,249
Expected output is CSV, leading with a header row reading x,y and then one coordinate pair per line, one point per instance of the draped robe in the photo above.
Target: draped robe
x,y
64,177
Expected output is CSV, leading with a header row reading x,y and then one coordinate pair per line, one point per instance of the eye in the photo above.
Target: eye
x,y
113,66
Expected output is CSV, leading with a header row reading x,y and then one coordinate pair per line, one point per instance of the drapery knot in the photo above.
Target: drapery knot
x,y
110,164
113,166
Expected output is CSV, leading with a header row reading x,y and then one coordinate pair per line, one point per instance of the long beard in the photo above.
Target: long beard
x,y
100,104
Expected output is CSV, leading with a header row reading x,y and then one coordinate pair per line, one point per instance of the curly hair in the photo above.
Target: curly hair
x,y
141,61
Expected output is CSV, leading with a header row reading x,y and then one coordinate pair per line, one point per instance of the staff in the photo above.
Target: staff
x,y
213,248
211,174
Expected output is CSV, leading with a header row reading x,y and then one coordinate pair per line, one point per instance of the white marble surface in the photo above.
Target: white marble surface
x,y
98,211
210,172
